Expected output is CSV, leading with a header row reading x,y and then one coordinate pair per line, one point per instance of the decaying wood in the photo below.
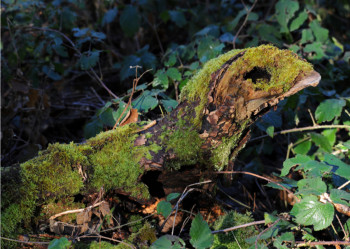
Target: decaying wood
x,y
231,103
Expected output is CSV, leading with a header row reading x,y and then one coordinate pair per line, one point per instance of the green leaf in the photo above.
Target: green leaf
x,y
285,10
315,168
289,163
130,20
269,218
51,73
201,236
309,211
321,141
93,128
317,49
206,48
61,243
89,59
168,242
171,61
126,70
109,16
172,196
330,135
145,102
270,130
169,104
174,74
161,79
337,196
178,18
280,240
320,33
329,109
342,170
303,148
312,186
306,36
297,22
164,208
107,117
232,24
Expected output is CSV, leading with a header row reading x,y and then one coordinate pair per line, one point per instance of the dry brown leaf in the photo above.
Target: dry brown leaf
x,y
131,117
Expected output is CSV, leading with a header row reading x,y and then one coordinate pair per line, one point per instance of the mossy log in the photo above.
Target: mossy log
x,y
207,129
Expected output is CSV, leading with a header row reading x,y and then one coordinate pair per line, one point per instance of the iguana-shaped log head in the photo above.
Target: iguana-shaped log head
x,y
223,99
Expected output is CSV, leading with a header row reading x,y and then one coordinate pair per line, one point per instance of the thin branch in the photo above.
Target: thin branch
x,y
238,227
243,24
261,177
316,243
75,210
25,242
308,128
345,184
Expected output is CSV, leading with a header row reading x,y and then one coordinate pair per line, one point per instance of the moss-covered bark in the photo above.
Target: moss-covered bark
x,y
209,127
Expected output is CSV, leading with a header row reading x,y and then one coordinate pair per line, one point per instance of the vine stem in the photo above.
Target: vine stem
x,y
308,128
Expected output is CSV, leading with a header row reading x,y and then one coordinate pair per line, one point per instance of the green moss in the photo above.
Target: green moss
x,y
185,143
283,65
101,245
141,239
115,161
234,239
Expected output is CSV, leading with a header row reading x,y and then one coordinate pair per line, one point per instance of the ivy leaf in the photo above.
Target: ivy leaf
x,y
168,242
89,59
164,208
289,163
321,34
201,236
297,22
172,196
321,141
174,74
130,20
178,18
329,109
309,211
109,16
342,169
285,10
61,243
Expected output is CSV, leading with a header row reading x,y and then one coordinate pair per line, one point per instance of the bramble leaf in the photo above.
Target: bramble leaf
x,y
61,243
321,141
309,211
172,196
329,109
168,242
289,163
201,236
164,208
109,16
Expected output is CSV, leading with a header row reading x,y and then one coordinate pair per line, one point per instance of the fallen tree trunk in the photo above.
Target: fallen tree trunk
x,y
207,129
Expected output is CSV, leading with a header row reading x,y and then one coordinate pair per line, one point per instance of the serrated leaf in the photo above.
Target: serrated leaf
x,y
321,141
297,22
89,59
269,218
303,148
171,60
174,74
168,242
61,243
130,20
109,16
172,196
178,18
164,208
312,186
161,79
169,104
201,236
329,109
289,163
80,32
315,168
145,102
309,211
338,196
342,169
317,49
330,135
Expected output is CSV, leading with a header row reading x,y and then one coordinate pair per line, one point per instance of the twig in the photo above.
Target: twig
x,y
261,177
243,24
342,186
308,128
316,243
75,210
25,242
238,227
265,230
312,118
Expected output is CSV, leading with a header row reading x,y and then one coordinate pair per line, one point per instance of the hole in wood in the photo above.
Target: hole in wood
x,y
258,74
